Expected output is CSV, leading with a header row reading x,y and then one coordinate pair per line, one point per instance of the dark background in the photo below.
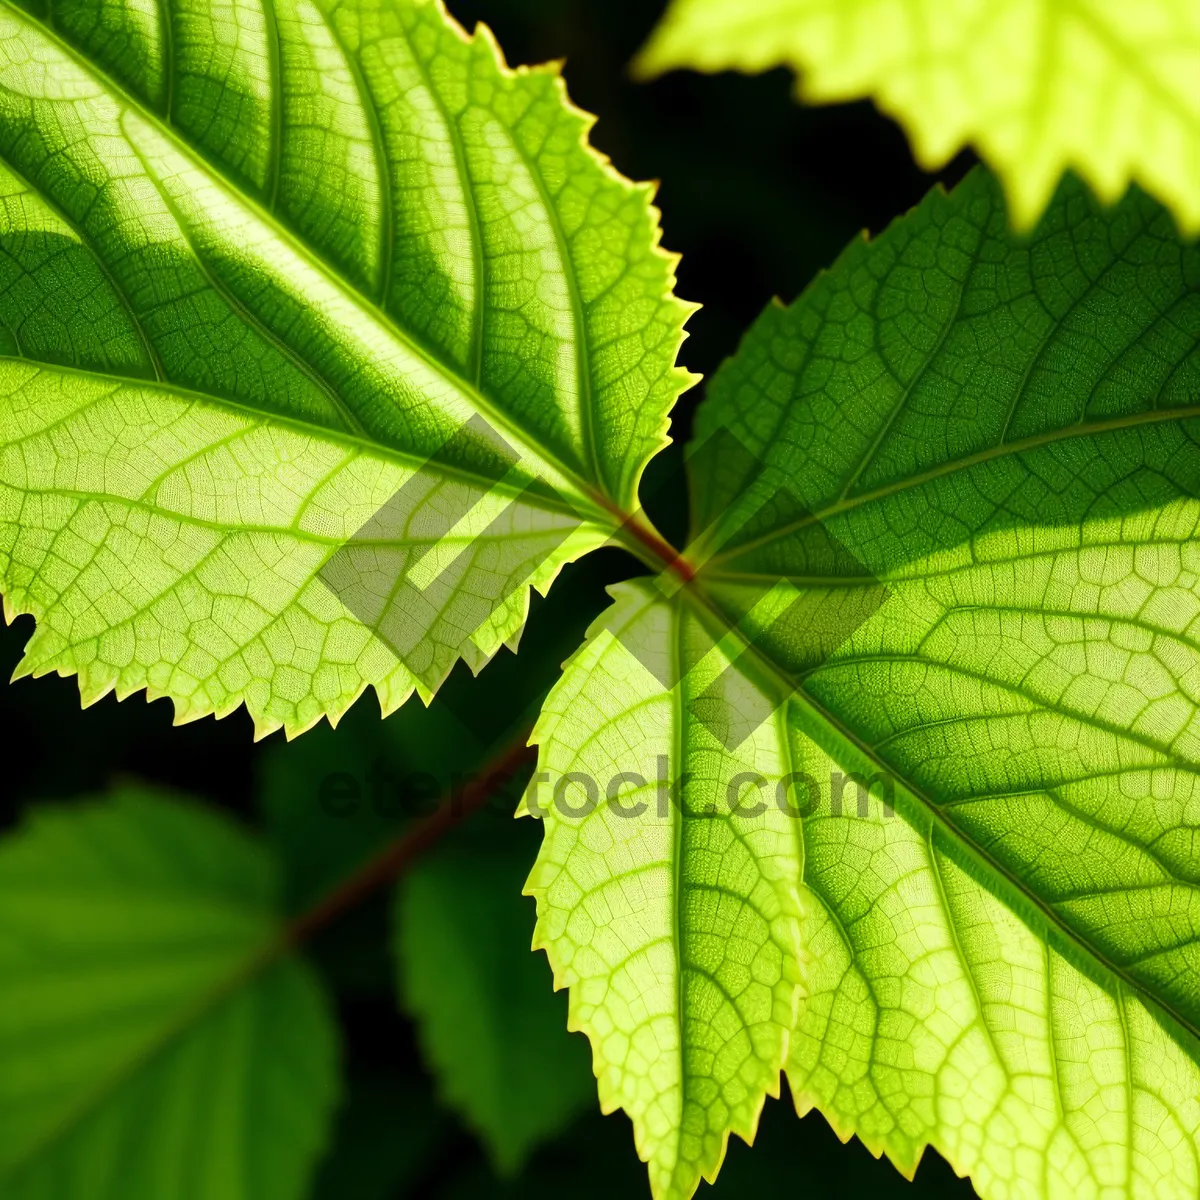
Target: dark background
x,y
758,195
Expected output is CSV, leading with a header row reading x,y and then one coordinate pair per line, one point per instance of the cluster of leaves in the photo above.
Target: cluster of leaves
x,y
258,274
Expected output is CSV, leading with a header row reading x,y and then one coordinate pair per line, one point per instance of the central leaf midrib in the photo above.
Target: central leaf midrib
x,y
989,454
406,459
680,708
244,970
356,297
985,862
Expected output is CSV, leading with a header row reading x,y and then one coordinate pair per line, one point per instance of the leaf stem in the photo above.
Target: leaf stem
x,y
637,535
375,873
398,855
662,550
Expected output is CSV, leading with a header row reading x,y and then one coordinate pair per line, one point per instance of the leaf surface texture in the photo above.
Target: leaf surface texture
x,y
261,264
985,450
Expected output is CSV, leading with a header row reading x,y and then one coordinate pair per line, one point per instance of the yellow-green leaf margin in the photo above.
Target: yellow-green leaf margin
x,y
254,272
1106,88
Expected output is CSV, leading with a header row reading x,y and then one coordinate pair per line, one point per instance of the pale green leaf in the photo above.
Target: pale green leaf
x,y
677,934
259,261
150,1049
489,1025
1003,438
1105,87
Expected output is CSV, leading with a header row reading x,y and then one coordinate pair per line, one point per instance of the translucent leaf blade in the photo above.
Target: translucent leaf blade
x,y
676,931
1019,465
446,268
950,535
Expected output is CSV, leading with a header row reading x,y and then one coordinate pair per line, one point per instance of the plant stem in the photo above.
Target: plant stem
x,y
636,533
398,855
646,535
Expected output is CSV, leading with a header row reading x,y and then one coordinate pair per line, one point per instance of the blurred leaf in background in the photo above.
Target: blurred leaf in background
x,y
157,1038
1102,87
493,1030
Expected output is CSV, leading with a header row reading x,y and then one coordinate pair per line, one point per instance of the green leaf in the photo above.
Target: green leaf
x,y
490,1026
259,264
1001,436
678,934
1036,86
152,1046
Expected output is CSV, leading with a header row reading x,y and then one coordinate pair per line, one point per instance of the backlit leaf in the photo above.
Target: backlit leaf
x,y
260,263
1105,87
986,451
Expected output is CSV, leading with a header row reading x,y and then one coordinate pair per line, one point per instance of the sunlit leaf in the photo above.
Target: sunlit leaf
x,y
1036,86
987,450
267,271
678,934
